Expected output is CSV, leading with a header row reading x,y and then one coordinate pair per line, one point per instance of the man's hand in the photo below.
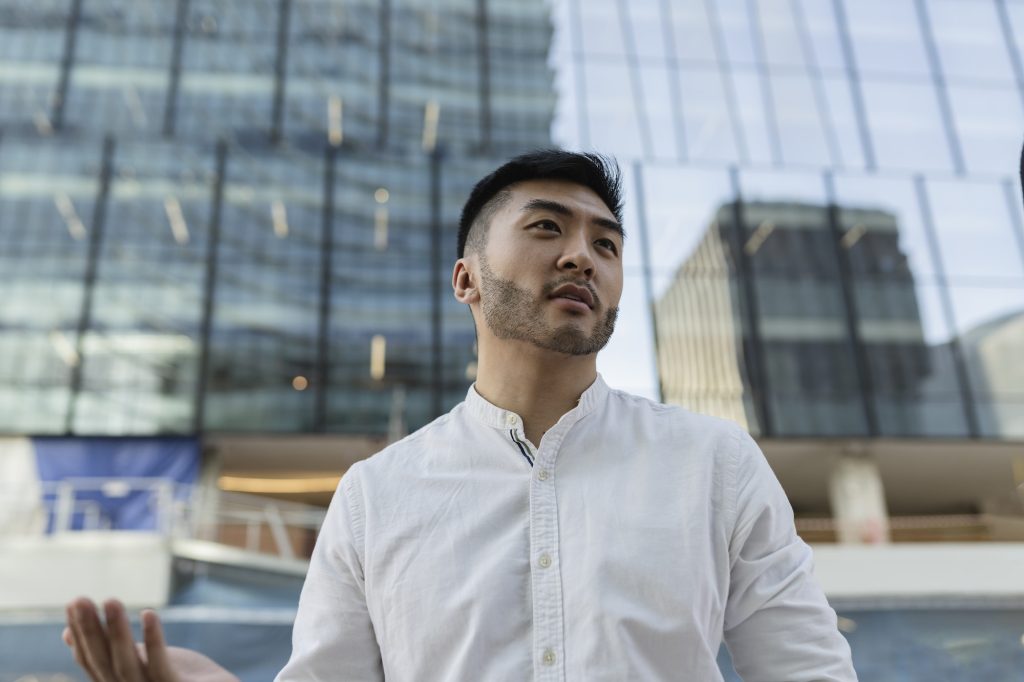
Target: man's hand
x,y
109,653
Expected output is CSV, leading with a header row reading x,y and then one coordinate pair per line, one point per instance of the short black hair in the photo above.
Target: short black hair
x,y
599,173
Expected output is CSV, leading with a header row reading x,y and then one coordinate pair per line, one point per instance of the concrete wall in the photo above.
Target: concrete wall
x,y
49,571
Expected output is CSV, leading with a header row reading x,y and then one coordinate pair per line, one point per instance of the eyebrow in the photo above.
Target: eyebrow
x,y
563,210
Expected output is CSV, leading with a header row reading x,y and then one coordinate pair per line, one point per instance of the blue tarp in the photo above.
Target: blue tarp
x,y
174,460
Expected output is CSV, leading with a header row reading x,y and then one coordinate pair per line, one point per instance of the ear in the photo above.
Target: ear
x,y
464,283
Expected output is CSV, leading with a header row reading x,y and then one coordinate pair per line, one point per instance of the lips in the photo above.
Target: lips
x,y
574,293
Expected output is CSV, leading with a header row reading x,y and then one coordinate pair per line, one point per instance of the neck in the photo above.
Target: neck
x,y
538,385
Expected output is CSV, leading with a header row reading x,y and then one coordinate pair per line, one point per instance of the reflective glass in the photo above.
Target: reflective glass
x,y
122,56
823,31
140,355
977,237
780,32
691,29
651,33
843,116
262,366
810,371
47,201
899,304
754,119
991,323
660,113
905,126
614,122
698,300
988,121
970,42
887,39
227,79
710,126
801,127
31,47
332,55
737,31
601,28
380,334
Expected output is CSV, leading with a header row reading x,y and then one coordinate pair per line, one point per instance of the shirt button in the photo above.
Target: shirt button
x,y
548,657
544,561
543,474
510,420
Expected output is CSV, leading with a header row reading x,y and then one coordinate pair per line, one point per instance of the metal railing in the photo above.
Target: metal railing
x,y
175,510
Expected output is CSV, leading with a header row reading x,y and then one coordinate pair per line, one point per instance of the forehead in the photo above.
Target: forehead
x,y
577,197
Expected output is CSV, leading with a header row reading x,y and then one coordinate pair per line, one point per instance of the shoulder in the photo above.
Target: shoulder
x,y
416,450
683,426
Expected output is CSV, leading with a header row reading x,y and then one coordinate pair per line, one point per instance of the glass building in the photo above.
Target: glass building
x,y
826,198
237,216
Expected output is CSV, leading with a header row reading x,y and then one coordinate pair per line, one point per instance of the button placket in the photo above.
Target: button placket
x,y
546,580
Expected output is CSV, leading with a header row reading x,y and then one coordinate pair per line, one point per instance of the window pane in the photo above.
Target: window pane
x,y
649,31
886,37
701,335
31,46
976,236
750,101
844,121
811,375
140,355
262,370
970,42
905,126
47,194
988,122
614,123
600,28
660,112
901,317
800,125
991,325
824,33
709,128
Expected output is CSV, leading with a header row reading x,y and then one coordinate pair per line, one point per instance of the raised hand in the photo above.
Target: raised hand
x,y
109,653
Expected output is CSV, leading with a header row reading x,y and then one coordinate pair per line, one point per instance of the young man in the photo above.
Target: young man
x,y
548,526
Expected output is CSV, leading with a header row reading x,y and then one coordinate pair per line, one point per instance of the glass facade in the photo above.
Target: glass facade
x,y
230,216
825,207
239,216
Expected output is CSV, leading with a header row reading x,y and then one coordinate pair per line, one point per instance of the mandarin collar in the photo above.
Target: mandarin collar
x,y
500,418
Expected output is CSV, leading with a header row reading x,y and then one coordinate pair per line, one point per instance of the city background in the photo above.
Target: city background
x,y
226,237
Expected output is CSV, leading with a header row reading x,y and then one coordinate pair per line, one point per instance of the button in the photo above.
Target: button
x,y
544,560
510,419
548,657
542,474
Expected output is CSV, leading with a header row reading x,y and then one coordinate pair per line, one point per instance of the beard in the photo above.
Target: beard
x,y
511,312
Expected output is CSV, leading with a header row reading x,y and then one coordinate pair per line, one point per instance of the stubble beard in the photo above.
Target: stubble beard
x,y
511,312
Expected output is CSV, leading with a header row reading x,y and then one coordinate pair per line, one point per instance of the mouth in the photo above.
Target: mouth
x,y
571,292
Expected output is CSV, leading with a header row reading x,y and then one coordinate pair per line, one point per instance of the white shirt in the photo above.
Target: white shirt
x,y
624,547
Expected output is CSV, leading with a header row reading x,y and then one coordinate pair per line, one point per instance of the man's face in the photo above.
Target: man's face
x,y
551,270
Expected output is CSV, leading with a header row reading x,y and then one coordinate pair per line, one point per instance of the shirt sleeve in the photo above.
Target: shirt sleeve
x,y
778,624
333,636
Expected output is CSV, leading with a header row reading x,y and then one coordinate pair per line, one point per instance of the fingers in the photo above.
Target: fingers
x,y
78,611
156,648
123,657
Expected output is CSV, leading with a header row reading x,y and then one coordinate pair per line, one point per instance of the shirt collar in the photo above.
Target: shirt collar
x,y
500,418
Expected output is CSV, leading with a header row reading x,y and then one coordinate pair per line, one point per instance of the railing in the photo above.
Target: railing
x,y
175,510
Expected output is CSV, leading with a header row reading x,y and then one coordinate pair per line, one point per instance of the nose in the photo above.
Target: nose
x,y
577,257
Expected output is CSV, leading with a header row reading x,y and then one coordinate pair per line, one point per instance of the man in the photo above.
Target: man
x,y
548,526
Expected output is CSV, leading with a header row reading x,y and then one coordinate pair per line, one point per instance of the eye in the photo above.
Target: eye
x,y
548,225
608,244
